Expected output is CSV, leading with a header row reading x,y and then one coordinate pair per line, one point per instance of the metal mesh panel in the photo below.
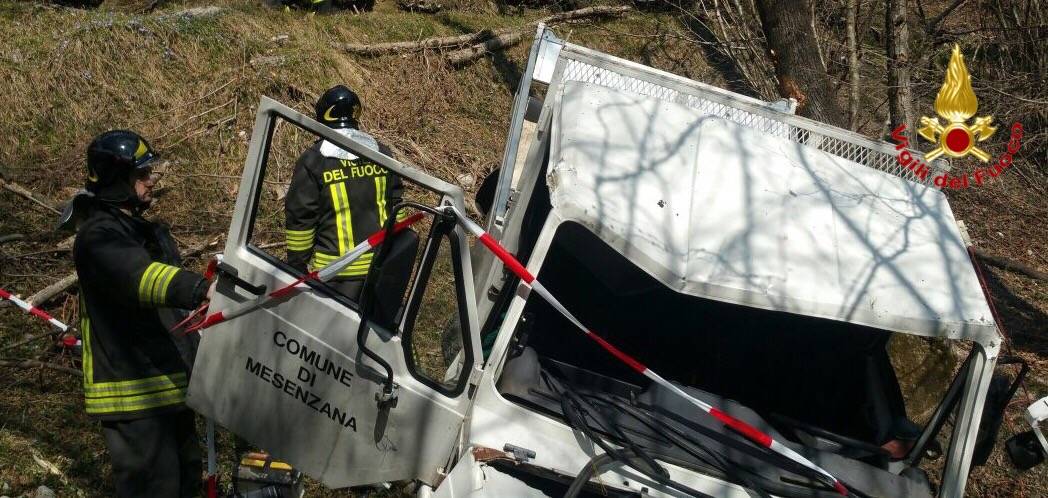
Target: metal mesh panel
x,y
883,160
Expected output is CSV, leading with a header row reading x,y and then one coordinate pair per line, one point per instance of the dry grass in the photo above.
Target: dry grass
x,y
190,85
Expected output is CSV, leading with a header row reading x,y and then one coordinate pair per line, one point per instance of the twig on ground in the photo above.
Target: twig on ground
x,y
11,237
53,290
65,245
198,250
29,339
28,194
40,364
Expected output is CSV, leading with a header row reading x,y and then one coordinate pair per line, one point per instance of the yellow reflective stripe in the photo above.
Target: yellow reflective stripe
x,y
402,214
299,234
85,329
137,386
343,217
118,404
380,198
300,240
325,259
145,284
347,219
355,269
163,282
152,287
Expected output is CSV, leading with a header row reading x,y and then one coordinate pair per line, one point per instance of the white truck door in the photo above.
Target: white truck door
x,y
290,377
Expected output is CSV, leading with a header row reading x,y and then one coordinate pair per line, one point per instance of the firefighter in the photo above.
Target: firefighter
x,y
131,285
337,199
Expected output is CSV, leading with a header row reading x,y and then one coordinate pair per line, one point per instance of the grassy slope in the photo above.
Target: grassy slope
x,y
190,86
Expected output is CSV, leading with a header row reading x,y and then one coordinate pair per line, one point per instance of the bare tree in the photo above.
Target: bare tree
x,y
897,49
853,66
792,45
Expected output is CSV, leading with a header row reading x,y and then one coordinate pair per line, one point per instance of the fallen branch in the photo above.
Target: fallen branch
x,y
465,56
49,292
40,364
480,36
1010,265
596,11
29,339
65,245
428,43
11,237
28,194
198,250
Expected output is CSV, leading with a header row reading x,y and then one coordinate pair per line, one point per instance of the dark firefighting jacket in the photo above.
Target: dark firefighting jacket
x,y
130,279
335,201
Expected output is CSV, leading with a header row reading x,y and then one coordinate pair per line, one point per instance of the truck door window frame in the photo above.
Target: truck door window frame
x,y
437,235
256,201
321,287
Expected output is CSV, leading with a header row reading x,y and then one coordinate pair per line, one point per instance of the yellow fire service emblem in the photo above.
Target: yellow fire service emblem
x,y
956,103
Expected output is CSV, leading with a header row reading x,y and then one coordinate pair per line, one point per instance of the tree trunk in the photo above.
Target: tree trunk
x,y
897,49
853,66
787,27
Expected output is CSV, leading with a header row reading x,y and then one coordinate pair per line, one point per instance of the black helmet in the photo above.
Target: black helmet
x,y
111,158
339,107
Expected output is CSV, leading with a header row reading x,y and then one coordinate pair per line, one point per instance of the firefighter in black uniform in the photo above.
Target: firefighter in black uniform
x,y
337,199
131,285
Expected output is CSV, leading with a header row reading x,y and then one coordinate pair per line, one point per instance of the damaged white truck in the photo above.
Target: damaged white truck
x,y
757,260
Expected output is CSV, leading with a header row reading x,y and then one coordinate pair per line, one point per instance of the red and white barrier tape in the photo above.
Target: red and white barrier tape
x,y
33,310
322,275
750,432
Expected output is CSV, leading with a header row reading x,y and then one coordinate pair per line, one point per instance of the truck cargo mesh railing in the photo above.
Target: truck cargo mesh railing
x,y
580,64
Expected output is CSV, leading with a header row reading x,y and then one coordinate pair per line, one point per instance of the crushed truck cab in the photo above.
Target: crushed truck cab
x,y
759,261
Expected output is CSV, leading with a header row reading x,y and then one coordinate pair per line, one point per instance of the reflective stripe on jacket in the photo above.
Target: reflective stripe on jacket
x,y
129,271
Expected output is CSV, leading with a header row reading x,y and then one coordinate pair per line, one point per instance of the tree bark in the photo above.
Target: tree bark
x,y
53,290
470,54
897,49
792,46
853,66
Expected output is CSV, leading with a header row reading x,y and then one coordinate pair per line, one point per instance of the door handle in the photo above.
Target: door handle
x,y
225,270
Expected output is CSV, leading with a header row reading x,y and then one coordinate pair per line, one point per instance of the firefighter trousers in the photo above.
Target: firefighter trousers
x,y
155,457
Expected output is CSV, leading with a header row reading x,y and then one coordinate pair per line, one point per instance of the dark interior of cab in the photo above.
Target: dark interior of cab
x,y
825,388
